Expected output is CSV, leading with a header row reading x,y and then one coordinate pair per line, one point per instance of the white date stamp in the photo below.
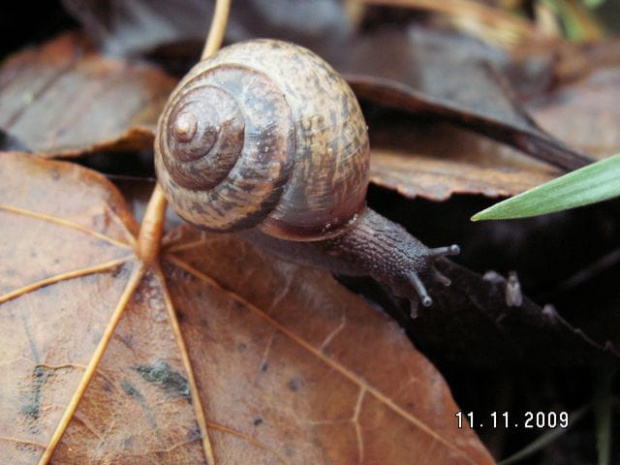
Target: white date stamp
x,y
507,420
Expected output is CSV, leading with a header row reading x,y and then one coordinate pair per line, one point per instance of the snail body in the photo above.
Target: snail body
x,y
268,139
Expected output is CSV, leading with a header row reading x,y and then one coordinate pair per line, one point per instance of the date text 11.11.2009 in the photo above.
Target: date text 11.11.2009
x,y
525,420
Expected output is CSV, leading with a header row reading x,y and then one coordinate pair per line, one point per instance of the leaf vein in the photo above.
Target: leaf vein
x,y
320,355
63,277
64,223
91,368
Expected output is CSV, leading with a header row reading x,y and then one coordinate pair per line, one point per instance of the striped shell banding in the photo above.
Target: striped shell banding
x,y
264,134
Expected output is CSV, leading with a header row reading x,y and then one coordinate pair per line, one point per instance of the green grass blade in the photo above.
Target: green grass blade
x,y
544,439
603,410
593,183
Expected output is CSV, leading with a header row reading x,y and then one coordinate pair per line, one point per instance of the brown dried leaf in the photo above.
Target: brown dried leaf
x,y
139,27
436,160
65,99
585,113
450,77
432,163
217,355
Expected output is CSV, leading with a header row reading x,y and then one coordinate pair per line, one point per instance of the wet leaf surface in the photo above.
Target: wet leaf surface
x,y
414,157
432,72
283,326
65,99
139,28
585,113
219,352
435,160
446,75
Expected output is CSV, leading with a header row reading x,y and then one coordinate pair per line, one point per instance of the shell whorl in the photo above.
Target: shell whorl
x,y
264,134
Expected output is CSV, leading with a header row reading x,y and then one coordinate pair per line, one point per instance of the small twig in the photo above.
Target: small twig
x,y
218,28
152,228
151,231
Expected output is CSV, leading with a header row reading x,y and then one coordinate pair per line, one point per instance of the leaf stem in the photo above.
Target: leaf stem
x,y
218,28
152,228
93,364
191,375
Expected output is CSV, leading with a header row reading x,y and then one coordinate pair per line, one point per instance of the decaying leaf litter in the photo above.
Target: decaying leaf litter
x,y
579,340
214,348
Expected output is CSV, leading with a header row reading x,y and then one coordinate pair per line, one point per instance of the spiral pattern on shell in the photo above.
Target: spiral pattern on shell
x,y
265,134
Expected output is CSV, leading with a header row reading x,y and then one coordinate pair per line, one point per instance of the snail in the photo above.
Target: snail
x,y
267,139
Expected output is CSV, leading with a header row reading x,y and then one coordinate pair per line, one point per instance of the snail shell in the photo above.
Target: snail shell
x,y
264,134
